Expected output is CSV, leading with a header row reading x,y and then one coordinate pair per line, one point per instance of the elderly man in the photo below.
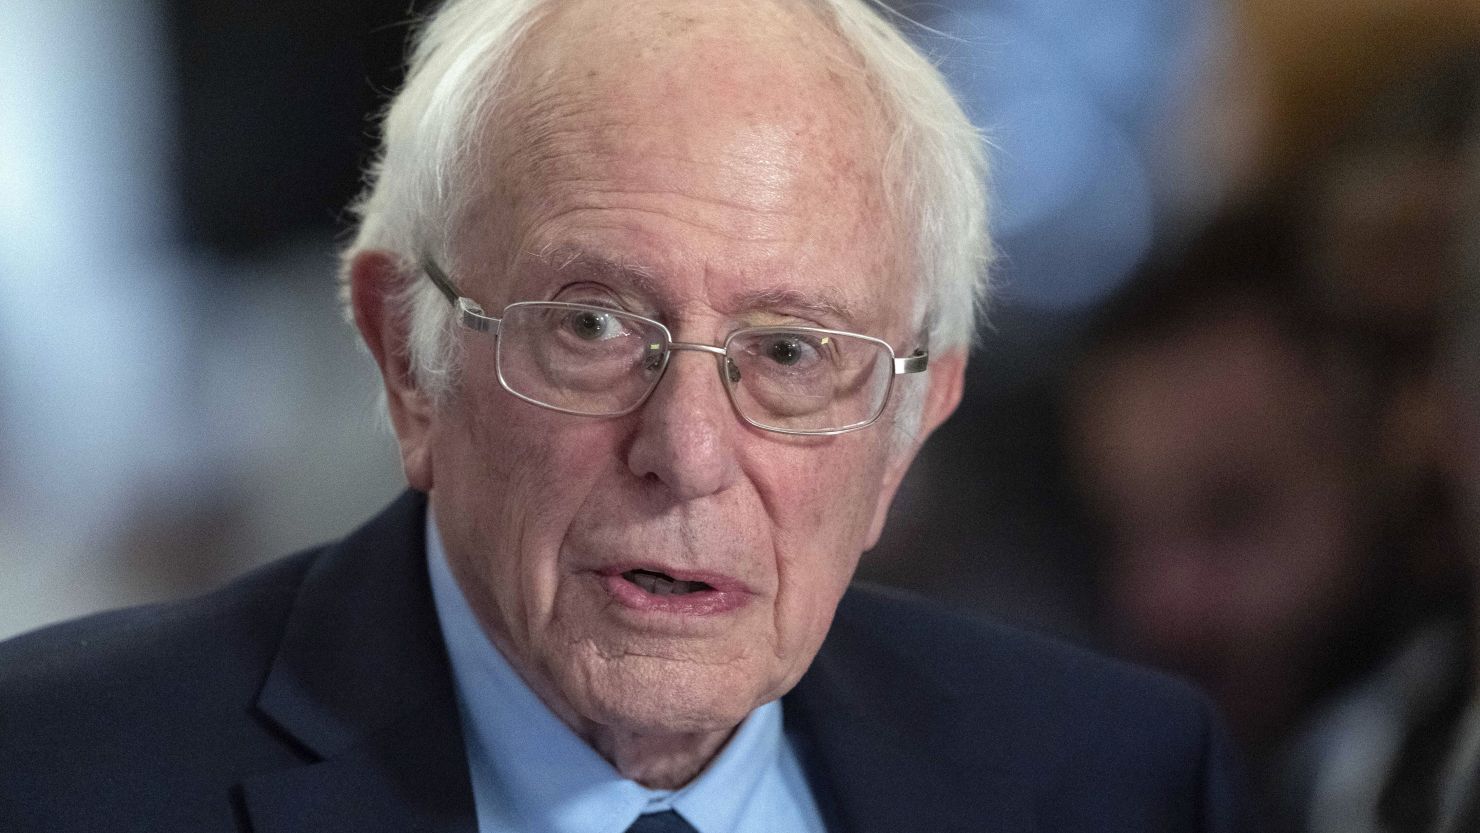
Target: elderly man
x,y
665,296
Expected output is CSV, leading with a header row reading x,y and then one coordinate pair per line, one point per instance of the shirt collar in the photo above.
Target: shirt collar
x,y
532,772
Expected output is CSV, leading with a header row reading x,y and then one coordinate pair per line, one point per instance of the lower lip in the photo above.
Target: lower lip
x,y
698,603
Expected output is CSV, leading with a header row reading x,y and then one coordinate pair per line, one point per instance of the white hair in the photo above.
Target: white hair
x,y
935,168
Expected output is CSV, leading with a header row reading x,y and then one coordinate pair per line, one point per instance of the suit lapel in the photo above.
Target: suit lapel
x,y
361,686
875,746
409,777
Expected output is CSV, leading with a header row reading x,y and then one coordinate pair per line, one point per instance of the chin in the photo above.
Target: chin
x,y
654,696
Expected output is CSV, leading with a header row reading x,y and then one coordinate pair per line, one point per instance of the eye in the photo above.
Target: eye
x,y
787,351
590,325
793,350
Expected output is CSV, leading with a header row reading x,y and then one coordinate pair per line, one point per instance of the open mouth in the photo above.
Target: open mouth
x,y
662,584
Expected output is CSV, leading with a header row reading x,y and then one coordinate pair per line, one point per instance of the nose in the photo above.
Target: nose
x,y
686,430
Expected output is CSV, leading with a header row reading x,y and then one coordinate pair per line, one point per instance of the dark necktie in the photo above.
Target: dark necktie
x,y
664,822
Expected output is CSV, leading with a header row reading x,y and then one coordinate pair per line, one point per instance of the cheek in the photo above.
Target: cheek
x,y
822,506
513,485
826,489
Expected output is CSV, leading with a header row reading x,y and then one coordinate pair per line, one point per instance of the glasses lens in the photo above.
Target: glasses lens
x,y
808,380
578,358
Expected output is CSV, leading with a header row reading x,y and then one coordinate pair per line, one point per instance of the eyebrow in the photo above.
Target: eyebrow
x,y
822,302
561,258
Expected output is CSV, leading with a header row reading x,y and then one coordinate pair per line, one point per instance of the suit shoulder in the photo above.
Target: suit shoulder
x,y
1017,671
999,703
147,711
109,655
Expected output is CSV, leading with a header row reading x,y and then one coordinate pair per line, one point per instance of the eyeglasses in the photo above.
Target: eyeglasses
x,y
597,361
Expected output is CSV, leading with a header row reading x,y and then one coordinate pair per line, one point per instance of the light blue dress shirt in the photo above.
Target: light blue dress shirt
x,y
532,774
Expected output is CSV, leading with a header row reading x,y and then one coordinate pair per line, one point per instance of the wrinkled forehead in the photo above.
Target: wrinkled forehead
x,y
754,118
765,57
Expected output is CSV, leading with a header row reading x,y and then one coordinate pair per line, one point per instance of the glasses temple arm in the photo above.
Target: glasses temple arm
x,y
914,363
440,279
470,315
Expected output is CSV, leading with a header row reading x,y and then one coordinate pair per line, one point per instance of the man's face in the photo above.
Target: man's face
x,y
709,180
1211,457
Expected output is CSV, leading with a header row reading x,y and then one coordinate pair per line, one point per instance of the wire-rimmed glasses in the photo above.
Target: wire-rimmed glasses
x,y
598,361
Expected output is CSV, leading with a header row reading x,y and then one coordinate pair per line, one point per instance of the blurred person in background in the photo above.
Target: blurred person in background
x,y
1258,424
730,256
1219,450
1211,448
1384,217
1215,449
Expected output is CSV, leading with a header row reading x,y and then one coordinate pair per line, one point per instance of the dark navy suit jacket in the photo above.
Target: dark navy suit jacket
x,y
314,695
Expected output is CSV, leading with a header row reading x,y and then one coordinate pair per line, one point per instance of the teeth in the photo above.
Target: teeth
x,y
660,584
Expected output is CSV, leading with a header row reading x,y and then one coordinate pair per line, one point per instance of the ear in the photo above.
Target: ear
x,y
374,280
946,378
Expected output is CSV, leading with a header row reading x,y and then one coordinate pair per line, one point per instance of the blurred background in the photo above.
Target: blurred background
x,y
1223,417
